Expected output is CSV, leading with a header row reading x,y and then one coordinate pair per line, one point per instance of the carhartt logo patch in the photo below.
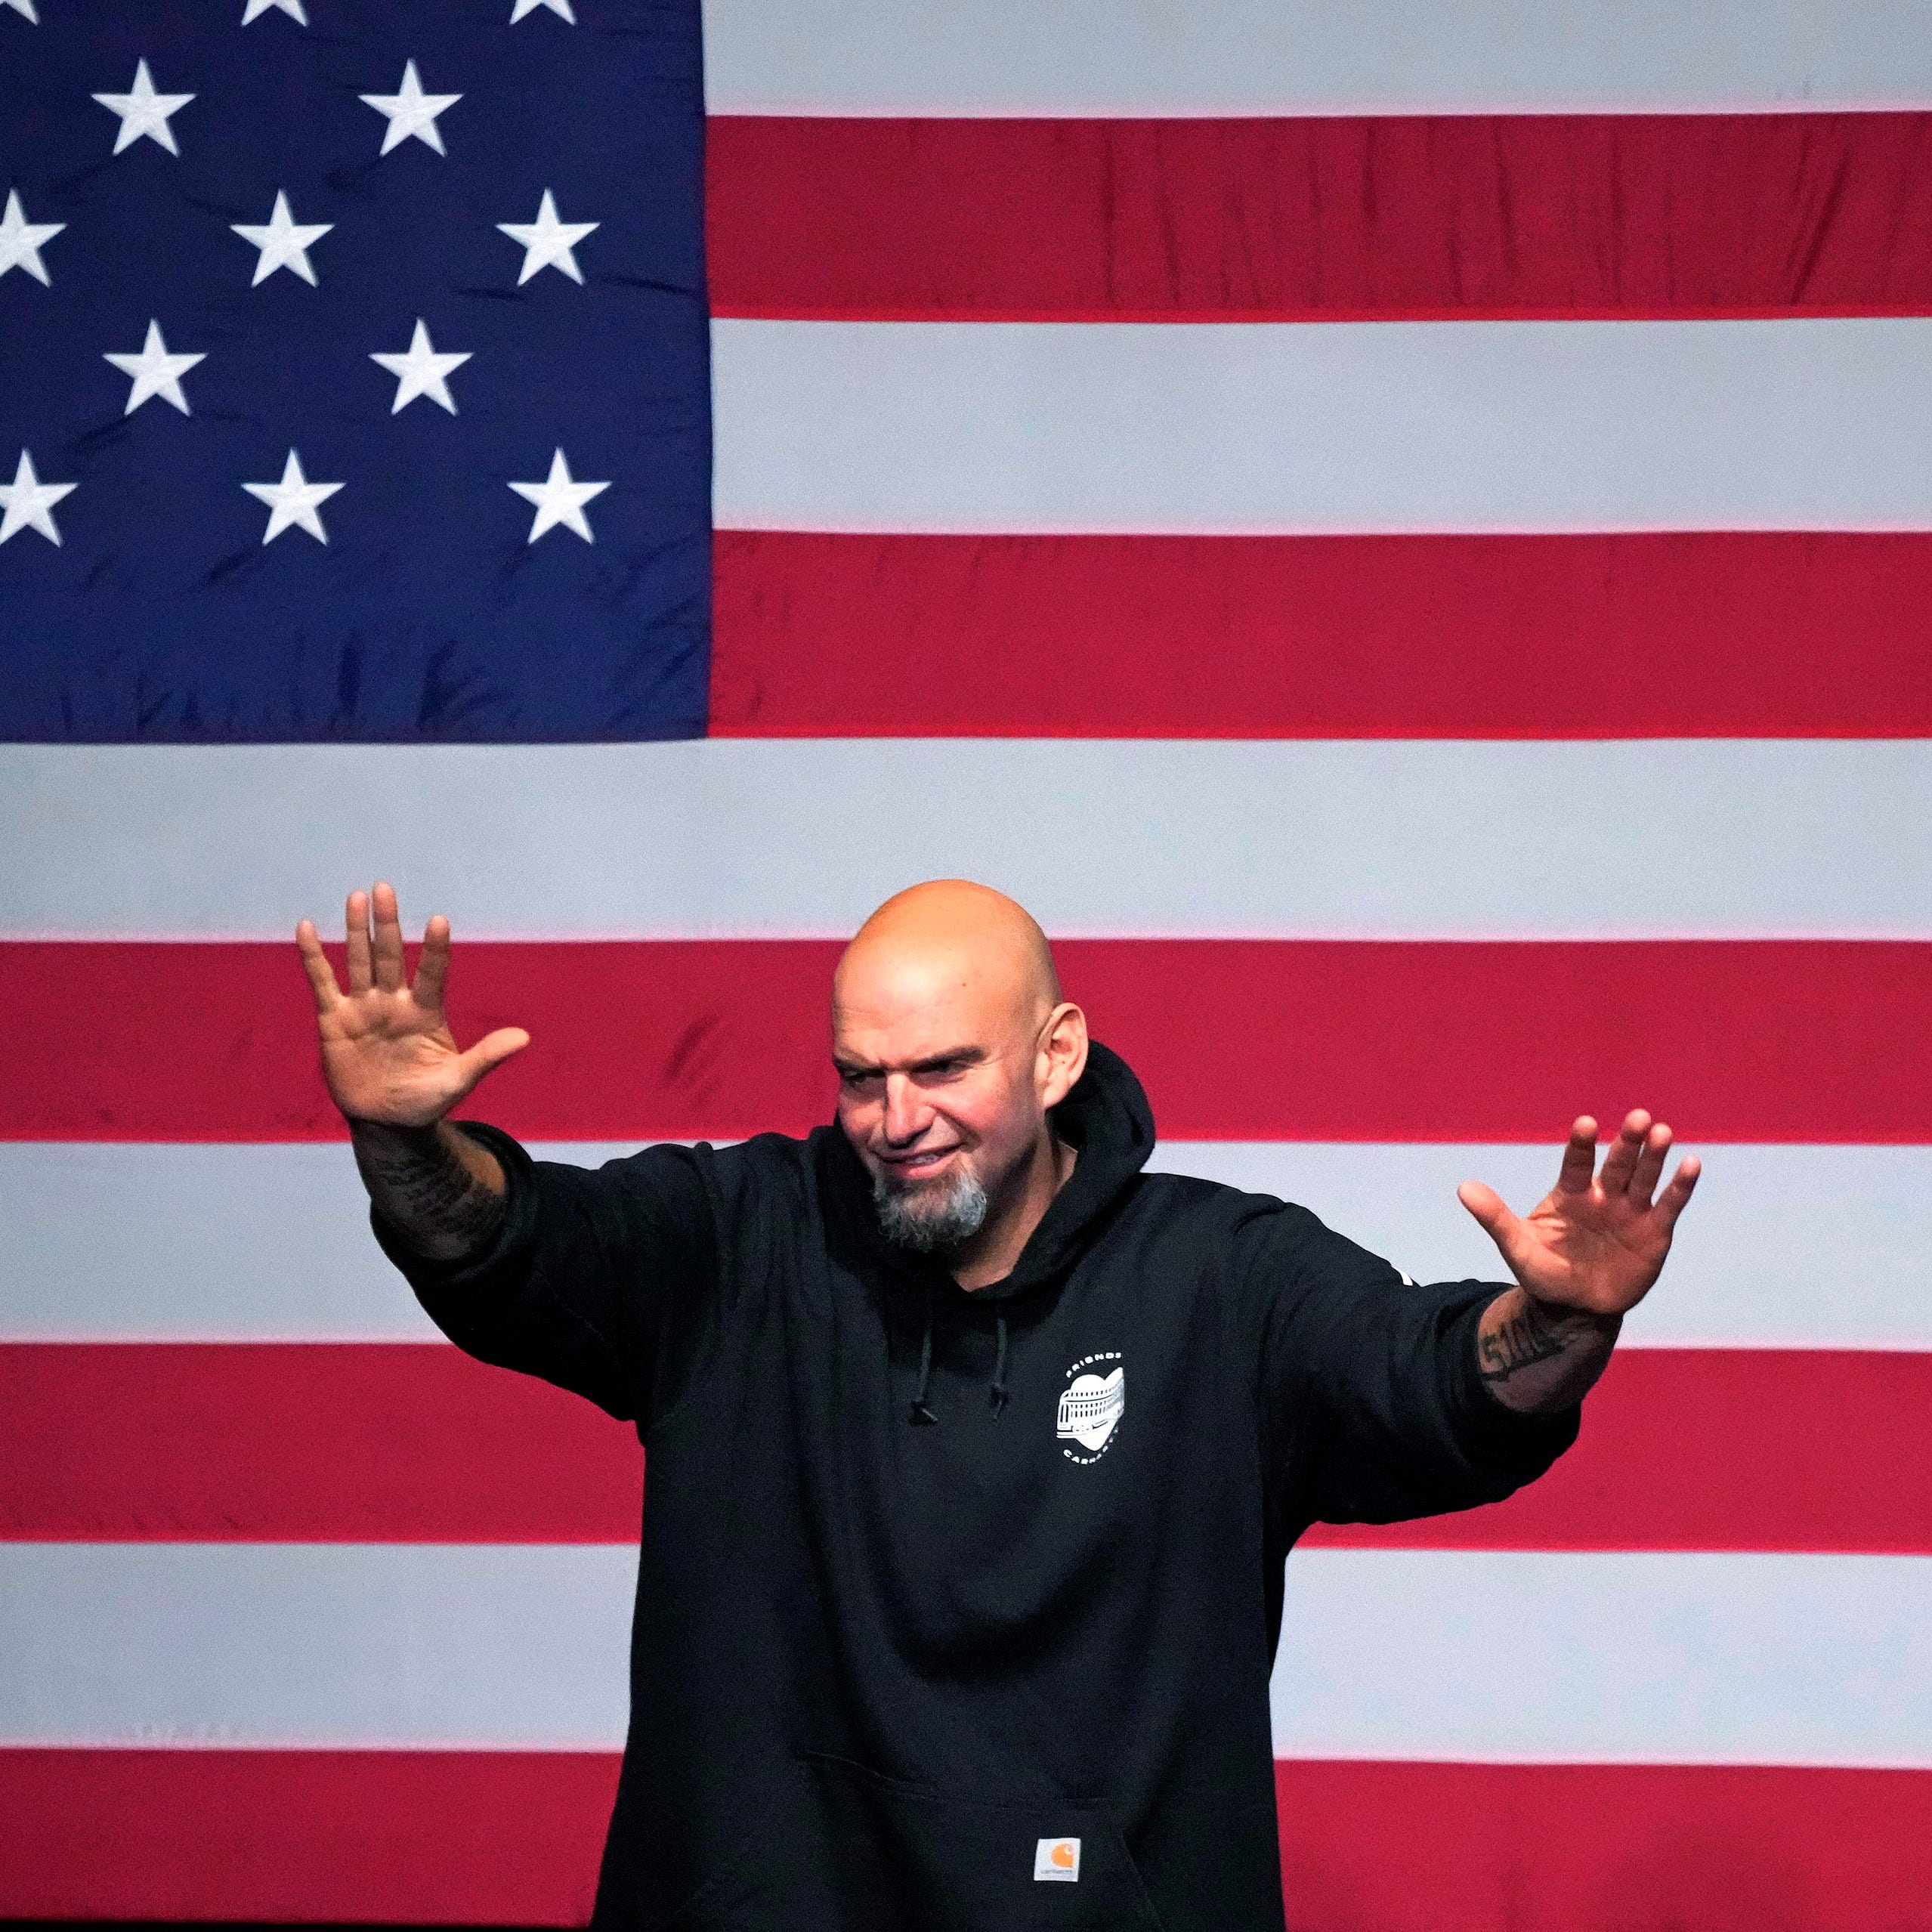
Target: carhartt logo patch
x,y
1091,1405
1057,1858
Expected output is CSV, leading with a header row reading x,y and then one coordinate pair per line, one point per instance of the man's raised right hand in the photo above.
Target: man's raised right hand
x,y
387,1053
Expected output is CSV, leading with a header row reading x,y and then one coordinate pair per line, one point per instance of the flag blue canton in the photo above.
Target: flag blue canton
x,y
374,518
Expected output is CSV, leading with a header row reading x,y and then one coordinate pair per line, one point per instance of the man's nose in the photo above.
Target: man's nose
x,y
907,1114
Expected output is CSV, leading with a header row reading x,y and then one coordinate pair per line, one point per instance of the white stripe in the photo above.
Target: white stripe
x,y
1670,1658
145,1241
1381,426
436,1646
1386,840
1748,1268
1312,57
1623,1659
150,1242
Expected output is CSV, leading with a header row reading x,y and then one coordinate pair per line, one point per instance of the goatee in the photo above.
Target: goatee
x,y
926,1218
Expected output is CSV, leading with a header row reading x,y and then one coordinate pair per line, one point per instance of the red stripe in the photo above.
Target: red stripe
x,y
1383,1847
397,1838
302,1442
512,1837
1729,1040
1815,1449
1320,218
1822,1450
1752,634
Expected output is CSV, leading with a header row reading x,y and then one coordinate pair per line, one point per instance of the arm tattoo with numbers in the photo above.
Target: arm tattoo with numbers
x,y
1533,1335
424,1189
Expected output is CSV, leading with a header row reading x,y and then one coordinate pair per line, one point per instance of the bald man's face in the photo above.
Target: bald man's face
x,y
945,1074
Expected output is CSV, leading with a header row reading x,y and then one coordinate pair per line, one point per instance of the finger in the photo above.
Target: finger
x,y
357,920
490,1052
389,973
1671,1203
315,963
1579,1165
1620,1162
1487,1205
1503,1227
1649,1164
432,970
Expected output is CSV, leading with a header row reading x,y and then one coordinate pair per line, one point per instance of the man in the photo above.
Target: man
x,y
974,1452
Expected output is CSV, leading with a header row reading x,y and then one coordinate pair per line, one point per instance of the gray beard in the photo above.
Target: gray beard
x,y
910,1218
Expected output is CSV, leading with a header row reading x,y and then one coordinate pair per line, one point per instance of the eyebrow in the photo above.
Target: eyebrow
x,y
967,1056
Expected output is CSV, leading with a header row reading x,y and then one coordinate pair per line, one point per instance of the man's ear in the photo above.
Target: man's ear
x,y
1063,1052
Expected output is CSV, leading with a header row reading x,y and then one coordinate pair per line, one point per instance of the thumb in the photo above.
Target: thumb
x,y
1492,1210
489,1052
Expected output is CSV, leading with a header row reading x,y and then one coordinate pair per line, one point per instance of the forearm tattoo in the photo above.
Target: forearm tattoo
x,y
1526,1339
423,1187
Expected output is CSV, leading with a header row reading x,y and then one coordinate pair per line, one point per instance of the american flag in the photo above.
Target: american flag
x,y
1403,533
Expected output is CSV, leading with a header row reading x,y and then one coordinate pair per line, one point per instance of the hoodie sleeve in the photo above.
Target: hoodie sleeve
x,y
1372,1407
603,1281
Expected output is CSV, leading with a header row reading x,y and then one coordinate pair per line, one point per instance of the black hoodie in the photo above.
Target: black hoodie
x,y
883,1665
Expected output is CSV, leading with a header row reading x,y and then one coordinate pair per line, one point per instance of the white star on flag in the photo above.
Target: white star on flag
x,y
561,8
411,111
293,8
283,241
156,371
293,500
560,500
144,111
420,371
29,503
23,6
20,240
547,242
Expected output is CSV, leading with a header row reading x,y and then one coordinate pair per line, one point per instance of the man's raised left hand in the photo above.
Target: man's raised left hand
x,y
1595,1241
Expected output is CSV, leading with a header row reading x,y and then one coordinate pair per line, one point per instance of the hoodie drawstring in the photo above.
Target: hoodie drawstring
x,y
920,1410
920,1413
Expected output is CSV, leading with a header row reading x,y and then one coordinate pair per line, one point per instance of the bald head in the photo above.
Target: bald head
x,y
944,939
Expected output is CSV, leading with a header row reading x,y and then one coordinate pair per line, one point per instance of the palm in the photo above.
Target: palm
x,y
384,1056
1595,1241
387,1053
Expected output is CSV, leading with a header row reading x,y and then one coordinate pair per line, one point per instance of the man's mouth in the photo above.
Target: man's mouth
x,y
915,1166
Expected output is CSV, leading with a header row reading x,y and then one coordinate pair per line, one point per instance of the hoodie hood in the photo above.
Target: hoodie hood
x,y
1106,1117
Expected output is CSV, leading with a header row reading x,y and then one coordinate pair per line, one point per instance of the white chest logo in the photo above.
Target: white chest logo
x,y
1091,1406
